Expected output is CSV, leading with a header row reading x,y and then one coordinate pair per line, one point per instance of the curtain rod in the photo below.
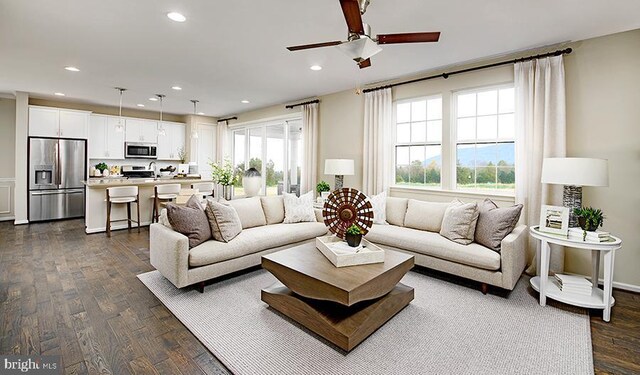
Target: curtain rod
x,y
299,104
228,118
447,75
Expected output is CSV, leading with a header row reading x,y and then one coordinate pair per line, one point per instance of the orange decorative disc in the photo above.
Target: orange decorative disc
x,y
345,207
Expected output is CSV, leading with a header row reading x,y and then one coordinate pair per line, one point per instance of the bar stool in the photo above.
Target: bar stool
x,y
122,195
205,189
163,193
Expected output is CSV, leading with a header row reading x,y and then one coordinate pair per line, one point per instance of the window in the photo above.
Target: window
x,y
418,150
485,138
272,148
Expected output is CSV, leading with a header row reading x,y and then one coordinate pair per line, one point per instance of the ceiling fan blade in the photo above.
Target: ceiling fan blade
x,y
364,63
408,38
351,10
316,45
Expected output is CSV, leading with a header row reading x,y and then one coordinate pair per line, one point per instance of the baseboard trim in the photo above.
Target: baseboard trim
x,y
20,222
7,218
116,227
622,286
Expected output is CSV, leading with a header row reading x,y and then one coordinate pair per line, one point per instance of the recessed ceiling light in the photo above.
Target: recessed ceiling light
x,y
71,68
201,113
244,101
177,88
175,16
58,94
140,105
315,67
153,99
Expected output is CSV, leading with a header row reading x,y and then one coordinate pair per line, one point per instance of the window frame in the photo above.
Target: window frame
x,y
426,143
453,128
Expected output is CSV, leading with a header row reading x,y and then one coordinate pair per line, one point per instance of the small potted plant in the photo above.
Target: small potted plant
x,y
589,218
353,235
323,189
102,167
223,174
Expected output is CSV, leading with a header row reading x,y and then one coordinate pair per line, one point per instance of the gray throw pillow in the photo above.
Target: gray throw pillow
x,y
190,220
459,222
224,220
495,223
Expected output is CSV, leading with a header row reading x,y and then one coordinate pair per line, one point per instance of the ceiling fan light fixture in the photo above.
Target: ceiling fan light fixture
x,y
360,49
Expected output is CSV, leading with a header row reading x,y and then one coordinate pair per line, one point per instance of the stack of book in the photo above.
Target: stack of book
x,y
581,235
574,284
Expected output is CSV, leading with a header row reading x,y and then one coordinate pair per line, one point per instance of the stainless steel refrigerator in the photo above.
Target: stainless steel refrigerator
x,y
56,170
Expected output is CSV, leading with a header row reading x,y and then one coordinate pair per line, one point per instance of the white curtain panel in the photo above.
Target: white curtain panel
x,y
378,142
222,140
309,168
540,133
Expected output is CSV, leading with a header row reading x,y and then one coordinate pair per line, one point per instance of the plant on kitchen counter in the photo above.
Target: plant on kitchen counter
x,y
102,166
222,173
182,155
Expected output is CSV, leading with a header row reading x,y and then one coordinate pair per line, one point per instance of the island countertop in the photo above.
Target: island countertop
x,y
110,182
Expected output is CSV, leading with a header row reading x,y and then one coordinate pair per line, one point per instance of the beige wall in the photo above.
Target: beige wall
x,y
603,112
603,121
7,137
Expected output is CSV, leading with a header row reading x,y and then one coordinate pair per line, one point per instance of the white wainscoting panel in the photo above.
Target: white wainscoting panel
x,y
6,198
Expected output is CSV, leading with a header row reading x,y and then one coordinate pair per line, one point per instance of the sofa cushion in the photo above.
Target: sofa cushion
x,y
494,223
396,210
379,206
253,240
250,211
190,220
273,207
459,222
223,220
425,215
298,209
433,244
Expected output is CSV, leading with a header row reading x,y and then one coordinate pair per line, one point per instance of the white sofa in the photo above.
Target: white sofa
x,y
431,250
263,233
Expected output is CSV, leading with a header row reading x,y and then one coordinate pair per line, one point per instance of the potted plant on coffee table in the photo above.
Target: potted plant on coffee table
x,y
353,235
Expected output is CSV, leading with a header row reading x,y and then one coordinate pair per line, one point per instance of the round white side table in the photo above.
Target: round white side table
x,y
599,298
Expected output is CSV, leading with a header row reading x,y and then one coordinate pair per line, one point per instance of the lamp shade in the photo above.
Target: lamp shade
x,y
575,171
339,167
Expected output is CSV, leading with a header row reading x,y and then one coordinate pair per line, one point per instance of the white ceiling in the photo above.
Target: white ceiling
x,y
233,50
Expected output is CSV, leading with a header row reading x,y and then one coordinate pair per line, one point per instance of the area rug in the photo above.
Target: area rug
x,y
447,329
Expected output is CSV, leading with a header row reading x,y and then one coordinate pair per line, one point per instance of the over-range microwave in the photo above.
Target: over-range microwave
x,y
140,150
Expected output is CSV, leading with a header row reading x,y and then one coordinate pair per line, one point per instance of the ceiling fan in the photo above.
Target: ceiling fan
x,y
360,46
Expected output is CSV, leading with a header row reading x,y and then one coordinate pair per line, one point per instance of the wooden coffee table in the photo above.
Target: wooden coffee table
x,y
343,305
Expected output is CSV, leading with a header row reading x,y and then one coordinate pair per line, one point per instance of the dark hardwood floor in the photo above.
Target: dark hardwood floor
x,y
77,295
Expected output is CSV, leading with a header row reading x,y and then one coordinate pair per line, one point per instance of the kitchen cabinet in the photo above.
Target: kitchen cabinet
x,y
58,123
105,142
141,131
170,145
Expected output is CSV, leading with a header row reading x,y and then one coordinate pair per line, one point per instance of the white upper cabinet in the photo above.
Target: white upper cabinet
x,y
54,122
105,142
141,131
170,145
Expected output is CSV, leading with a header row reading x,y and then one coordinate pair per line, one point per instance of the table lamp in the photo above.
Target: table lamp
x,y
574,173
339,168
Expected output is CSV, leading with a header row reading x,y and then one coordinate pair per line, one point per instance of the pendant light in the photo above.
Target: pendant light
x,y
194,128
161,130
120,125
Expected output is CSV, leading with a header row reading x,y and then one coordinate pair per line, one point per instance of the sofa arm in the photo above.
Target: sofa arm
x,y
513,256
319,217
169,254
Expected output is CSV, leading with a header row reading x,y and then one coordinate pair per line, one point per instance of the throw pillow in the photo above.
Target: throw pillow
x,y
396,210
224,220
459,222
190,220
249,211
379,204
495,223
425,215
273,207
297,210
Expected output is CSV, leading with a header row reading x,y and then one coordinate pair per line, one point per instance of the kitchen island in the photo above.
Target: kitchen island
x,y
96,205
